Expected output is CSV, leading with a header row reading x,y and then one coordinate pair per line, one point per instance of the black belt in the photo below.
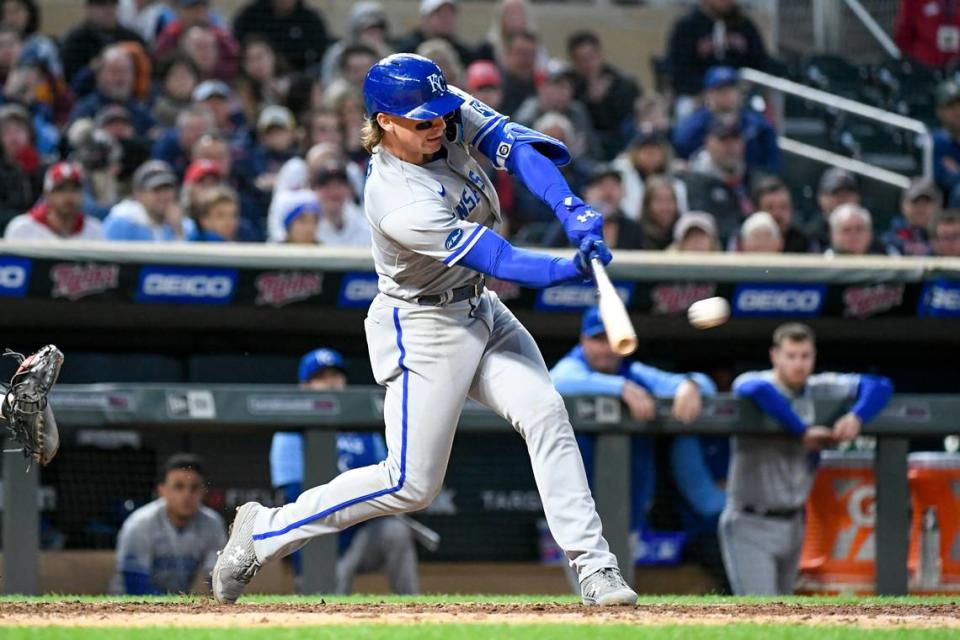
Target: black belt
x,y
452,295
782,514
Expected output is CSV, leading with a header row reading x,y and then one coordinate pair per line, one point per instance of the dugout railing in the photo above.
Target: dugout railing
x,y
236,409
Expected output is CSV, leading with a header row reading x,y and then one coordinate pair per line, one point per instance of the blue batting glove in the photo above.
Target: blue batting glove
x,y
591,247
579,220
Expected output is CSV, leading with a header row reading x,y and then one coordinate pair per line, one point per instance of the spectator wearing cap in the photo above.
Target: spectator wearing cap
x,y
178,78
59,215
175,145
607,92
771,194
695,231
135,149
555,88
260,82
114,71
21,168
759,233
438,19
851,233
216,215
343,223
276,143
837,186
215,148
228,117
945,233
87,40
659,211
99,156
295,215
946,141
367,24
385,544
297,32
722,97
909,232
648,154
509,17
603,192
485,83
716,32
519,70
197,13
718,181
151,214
928,31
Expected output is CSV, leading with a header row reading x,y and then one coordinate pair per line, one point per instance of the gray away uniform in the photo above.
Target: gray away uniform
x,y
761,527
424,219
149,544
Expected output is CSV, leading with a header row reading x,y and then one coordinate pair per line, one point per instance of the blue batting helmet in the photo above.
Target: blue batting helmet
x,y
408,85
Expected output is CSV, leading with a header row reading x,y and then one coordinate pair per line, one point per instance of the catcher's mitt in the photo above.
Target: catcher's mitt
x,y
24,406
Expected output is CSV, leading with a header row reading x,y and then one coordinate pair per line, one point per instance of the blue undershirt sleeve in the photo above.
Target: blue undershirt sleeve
x,y
541,176
771,402
496,257
873,394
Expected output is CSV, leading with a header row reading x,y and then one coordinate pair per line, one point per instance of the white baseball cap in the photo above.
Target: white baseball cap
x,y
429,6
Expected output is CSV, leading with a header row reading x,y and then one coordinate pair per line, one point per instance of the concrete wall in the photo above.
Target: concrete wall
x,y
631,35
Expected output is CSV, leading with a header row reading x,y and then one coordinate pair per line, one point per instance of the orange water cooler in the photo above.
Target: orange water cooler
x,y
935,524
839,543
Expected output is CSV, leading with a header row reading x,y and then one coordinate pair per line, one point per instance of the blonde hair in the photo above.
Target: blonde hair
x,y
207,199
371,134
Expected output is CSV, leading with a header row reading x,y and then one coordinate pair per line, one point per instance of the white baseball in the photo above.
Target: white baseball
x,y
712,312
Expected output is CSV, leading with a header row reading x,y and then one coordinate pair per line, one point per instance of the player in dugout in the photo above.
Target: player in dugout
x,y
165,545
761,528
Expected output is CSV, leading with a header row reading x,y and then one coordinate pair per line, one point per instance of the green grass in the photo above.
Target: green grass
x,y
497,599
477,632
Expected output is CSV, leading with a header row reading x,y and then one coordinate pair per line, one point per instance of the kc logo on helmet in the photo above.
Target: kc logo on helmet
x,y
186,285
778,300
357,290
436,83
940,298
14,277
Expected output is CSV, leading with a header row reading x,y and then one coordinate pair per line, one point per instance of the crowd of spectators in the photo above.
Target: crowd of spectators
x,y
166,120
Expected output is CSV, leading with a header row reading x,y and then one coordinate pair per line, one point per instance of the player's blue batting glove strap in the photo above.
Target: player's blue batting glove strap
x,y
591,247
579,220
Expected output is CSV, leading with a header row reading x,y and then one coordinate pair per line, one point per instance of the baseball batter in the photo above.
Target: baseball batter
x,y
436,337
761,527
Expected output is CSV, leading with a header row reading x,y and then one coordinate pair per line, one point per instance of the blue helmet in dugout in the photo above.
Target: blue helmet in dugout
x,y
408,85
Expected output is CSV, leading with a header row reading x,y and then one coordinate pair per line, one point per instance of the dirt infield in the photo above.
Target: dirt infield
x,y
208,614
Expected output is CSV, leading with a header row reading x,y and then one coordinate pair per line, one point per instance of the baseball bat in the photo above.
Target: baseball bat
x,y
423,534
620,332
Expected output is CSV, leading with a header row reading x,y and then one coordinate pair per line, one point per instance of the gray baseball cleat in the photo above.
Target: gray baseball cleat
x,y
607,588
237,561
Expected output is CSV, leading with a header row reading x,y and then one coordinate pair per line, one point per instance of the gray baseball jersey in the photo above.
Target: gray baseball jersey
x,y
430,359
776,472
770,473
425,218
149,544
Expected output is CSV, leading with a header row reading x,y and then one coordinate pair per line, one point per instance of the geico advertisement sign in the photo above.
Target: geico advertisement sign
x,y
778,300
186,285
941,298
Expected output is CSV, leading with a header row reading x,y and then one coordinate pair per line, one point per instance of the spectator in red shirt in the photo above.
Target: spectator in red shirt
x,y
929,31
59,216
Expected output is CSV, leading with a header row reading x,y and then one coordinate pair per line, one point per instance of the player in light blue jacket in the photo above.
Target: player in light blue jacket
x,y
592,368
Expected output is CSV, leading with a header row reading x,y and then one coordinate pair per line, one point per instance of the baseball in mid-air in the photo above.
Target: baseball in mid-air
x,y
712,312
